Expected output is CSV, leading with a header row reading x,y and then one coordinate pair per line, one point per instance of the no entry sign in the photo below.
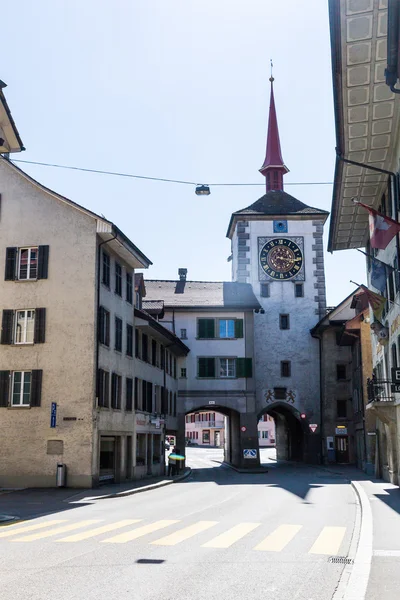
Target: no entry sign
x,y
243,429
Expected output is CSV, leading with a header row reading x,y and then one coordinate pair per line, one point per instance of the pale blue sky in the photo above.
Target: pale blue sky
x,y
176,89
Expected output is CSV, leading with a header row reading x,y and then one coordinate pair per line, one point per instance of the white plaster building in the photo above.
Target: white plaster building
x,y
215,320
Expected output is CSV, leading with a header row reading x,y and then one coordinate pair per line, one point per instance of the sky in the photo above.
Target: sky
x,y
175,89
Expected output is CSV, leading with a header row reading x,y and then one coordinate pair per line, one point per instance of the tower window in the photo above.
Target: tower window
x,y
265,291
284,322
340,372
285,368
299,290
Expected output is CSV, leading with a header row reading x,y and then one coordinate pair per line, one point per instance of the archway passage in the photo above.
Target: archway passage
x,y
290,442
230,434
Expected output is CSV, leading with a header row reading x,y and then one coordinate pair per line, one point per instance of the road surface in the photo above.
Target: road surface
x,y
217,535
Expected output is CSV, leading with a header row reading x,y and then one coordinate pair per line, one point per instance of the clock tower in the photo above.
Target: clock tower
x,y
277,247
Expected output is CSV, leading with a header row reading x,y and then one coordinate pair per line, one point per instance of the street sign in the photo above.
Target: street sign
x,y
243,429
395,387
211,402
341,430
396,375
313,427
250,453
53,415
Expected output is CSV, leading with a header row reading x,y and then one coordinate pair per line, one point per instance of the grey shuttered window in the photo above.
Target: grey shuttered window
x,y
164,401
129,340
206,328
206,367
4,388
43,262
149,397
104,326
244,367
118,334
239,328
145,354
40,326
128,394
103,382
265,291
11,264
36,387
7,327
116,381
136,393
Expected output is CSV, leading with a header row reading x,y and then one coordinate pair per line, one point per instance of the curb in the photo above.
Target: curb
x,y
8,518
358,581
147,488
256,471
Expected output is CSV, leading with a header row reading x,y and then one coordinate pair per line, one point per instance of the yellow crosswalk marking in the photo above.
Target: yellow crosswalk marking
x,y
279,538
55,531
122,538
84,535
328,541
184,534
16,529
231,536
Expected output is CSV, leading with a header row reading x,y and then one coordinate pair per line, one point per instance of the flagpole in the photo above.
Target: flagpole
x,y
378,260
387,299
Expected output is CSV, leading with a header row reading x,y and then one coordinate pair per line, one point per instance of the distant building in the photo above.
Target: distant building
x,y
205,429
266,431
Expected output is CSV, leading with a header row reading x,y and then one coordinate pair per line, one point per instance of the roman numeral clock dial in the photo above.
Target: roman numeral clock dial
x,y
281,259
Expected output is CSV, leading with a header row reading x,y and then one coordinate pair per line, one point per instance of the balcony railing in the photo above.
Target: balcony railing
x,y
380,390
204,424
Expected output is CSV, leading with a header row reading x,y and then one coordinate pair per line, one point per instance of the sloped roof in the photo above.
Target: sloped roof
x,y
202,294
275,203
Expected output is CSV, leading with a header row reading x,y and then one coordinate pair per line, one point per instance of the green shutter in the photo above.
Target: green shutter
x,y
239,328
206,367
206,328
201,367
244,367
210,367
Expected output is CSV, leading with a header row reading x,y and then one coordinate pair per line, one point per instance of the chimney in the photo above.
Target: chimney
x,y
182,274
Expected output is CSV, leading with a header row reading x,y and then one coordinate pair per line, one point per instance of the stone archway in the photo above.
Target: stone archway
x,y
290,431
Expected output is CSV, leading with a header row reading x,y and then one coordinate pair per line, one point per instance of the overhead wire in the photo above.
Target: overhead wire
x,y
165,180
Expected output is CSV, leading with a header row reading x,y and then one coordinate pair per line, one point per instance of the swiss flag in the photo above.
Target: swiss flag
x,y
381,229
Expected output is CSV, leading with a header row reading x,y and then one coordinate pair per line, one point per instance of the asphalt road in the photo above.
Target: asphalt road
x,y
217,535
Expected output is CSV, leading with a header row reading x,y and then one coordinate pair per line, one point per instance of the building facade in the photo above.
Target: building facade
x,y
66,357
205,429
216,321
367,111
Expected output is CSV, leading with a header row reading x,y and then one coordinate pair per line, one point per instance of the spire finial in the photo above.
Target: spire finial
x,y
273,167
272,66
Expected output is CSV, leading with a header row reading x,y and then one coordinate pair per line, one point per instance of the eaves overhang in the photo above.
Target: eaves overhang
x,y
366,116
10,140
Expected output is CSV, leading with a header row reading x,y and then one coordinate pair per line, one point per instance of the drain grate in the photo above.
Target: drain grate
x,y
343,560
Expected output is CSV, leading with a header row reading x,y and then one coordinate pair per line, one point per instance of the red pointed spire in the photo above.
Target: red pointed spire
x,y
273,167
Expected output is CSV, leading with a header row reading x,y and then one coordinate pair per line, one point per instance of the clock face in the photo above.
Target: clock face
x,y
281,258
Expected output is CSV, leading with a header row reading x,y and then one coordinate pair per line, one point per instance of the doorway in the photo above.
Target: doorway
x,y
217,438
107,459
342,449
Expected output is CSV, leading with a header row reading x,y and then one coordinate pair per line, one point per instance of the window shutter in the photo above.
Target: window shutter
x,y
43,262
7,327
101,325
244,367
40,326
164,407
210,367
36,387
4,387
136,393
239,328
11,264
99,391
149,394
206,328
201,367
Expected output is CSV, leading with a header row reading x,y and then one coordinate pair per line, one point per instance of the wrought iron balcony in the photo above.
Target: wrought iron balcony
x,y
380,390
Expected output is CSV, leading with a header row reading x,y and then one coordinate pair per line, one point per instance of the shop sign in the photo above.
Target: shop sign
x,y
341,430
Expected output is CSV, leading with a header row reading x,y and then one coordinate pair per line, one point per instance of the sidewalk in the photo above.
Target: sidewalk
x,y
34,502
384,500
